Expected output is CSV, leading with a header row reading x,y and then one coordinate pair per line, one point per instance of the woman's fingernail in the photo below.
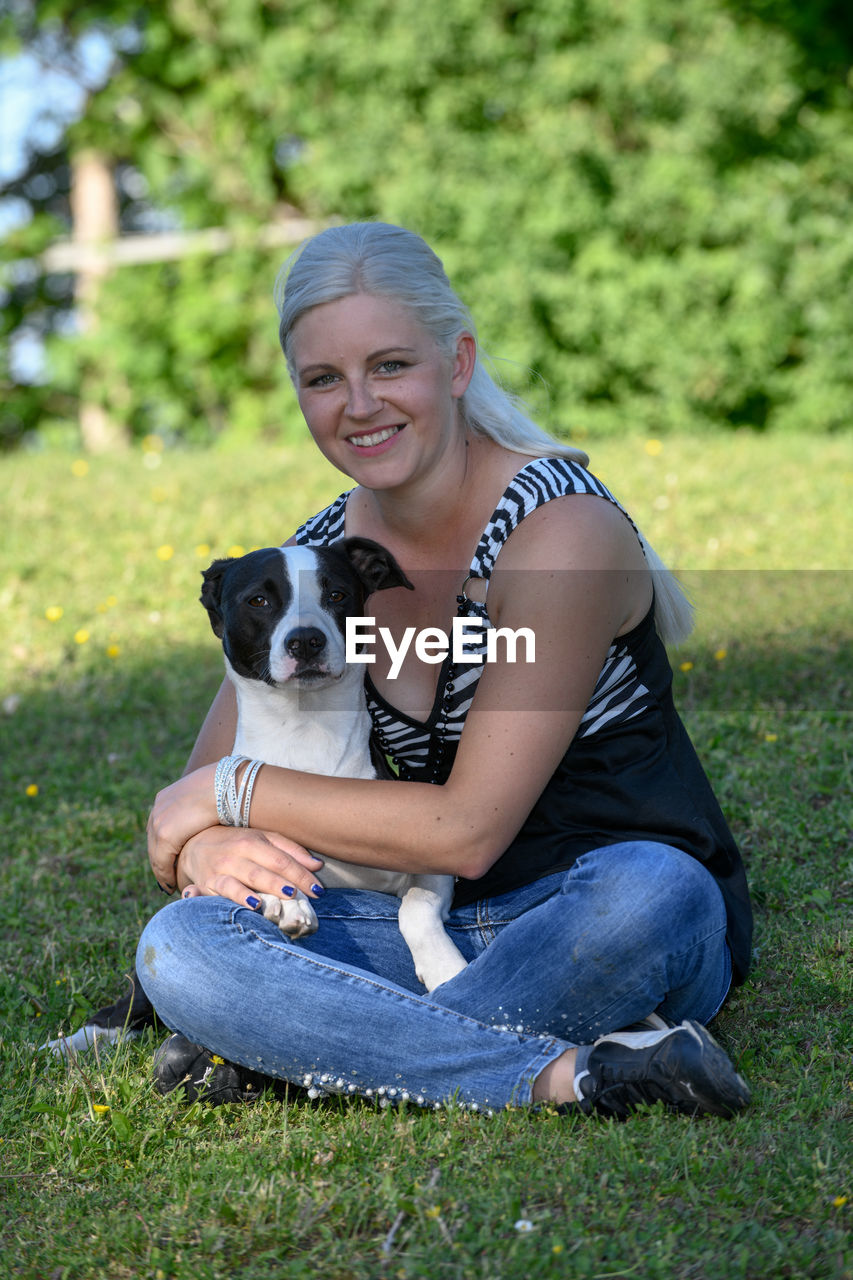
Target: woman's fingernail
x,y
186,893
287,891
317,890
253,902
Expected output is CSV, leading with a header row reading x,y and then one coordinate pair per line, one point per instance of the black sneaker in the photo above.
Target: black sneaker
x,y
203,1075
683,1067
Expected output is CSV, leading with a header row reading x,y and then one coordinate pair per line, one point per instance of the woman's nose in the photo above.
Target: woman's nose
x,y
361,402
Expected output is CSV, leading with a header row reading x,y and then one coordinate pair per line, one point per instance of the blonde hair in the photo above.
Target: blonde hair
x,y
383,260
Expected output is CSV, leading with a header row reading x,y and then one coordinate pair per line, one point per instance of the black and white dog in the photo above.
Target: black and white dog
x,y
281,616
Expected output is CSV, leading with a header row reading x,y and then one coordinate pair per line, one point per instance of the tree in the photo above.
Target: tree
x,y
646,204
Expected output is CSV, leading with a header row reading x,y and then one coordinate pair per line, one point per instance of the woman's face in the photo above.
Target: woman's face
x,y
380,397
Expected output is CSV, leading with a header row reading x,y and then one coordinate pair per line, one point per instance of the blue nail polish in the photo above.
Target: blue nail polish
x,y
317,890
253,902
287,891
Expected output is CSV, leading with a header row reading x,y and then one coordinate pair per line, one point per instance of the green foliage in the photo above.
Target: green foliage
x,y
645,204
187,350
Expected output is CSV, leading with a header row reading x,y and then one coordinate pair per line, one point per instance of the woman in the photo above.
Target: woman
x,y
598,886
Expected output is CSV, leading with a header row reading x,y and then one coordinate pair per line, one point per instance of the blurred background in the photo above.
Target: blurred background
x,y
646,203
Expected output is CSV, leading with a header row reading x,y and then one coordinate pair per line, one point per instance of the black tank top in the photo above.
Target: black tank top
x,y
630,772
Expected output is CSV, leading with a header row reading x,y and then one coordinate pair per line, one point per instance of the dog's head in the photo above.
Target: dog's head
x,y
281,612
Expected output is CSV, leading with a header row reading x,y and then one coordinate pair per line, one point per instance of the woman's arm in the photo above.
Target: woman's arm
x,y
521,722
216,736
295,864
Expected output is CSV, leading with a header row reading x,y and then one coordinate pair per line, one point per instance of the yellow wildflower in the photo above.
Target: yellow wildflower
x,y
654,448
54,612
165,552
79,467
81,636
686,666
32,789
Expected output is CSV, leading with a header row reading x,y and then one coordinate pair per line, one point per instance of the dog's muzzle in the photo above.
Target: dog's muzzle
x,y
305,644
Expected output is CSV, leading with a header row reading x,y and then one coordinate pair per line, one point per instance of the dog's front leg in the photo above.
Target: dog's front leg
x,y
294,916
423,910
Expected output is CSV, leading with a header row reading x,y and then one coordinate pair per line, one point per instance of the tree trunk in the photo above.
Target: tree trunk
x,y
94,213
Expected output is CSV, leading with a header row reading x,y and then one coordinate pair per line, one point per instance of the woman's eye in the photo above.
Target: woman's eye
x,y
258,602
391,366
322,380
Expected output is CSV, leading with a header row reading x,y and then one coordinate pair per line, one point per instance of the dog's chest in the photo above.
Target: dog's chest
x,y
331,740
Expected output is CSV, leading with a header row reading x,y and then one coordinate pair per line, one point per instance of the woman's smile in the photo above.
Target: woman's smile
x,y
372,441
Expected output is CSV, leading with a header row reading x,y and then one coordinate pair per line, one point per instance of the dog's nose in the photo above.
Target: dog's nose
x,y
305,643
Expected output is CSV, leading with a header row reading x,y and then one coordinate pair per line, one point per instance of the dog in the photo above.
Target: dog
x,y
280,614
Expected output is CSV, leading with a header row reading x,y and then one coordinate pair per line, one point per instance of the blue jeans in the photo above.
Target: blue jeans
x,y
630,929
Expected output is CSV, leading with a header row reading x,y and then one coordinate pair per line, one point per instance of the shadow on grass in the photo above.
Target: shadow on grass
x,y
123,728
98,743
83,756
116,732
768,710
768,637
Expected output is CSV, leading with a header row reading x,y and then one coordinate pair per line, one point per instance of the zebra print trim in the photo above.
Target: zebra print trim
x,y
534,485
619,694
327,526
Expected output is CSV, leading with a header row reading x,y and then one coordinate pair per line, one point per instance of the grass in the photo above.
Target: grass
x,y
106,668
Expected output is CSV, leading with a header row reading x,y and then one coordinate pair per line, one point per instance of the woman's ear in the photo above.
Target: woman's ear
x,y
464,360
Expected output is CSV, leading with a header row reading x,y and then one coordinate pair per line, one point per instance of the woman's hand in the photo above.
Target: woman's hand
x,y
239,863
180,812
186,845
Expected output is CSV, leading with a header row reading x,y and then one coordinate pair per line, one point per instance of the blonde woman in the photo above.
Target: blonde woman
x,y
600,899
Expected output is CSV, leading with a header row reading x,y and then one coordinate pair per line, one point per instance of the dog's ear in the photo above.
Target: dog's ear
x,y
211,594
375,566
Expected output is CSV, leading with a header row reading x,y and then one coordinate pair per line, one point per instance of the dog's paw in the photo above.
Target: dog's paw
x,y
294,916
432,971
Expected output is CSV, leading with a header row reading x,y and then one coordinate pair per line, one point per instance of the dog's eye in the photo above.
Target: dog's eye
x,y
258,602
335,597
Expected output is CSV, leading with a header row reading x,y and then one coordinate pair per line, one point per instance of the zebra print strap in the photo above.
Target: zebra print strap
x,y
418,748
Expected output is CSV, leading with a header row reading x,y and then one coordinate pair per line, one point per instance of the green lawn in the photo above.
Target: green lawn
x,y
106,667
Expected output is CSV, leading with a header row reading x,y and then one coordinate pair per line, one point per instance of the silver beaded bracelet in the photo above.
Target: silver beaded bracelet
x,y
233,804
